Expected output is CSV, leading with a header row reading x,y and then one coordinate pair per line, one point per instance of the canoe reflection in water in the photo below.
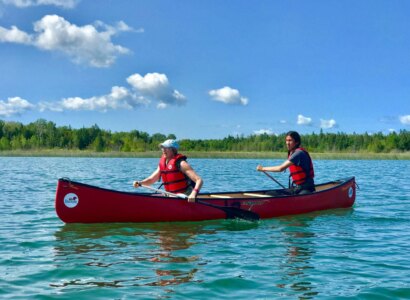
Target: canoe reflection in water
x,y
302,245
169,241
151,254
299,251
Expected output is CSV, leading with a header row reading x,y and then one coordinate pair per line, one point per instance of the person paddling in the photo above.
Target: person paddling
x,y
175,172
299,163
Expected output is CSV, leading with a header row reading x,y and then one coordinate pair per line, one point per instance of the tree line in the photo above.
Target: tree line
x,y
43,134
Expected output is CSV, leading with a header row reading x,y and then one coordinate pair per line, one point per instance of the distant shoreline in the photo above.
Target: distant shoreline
x,y
201,154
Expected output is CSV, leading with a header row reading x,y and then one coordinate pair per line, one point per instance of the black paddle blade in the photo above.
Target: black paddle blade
x,y
234,212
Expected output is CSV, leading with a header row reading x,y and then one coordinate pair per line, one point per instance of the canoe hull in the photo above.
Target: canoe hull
x,y
81,203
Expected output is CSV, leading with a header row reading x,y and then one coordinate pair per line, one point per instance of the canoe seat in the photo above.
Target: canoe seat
x,y
255,195
220,196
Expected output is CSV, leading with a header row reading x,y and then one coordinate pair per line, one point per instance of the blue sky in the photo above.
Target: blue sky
x,y
207,69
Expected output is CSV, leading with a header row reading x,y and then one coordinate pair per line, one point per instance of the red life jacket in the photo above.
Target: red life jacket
x,y
298,174
173,179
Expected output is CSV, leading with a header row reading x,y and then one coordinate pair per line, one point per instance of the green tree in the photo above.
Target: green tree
x,y
42,134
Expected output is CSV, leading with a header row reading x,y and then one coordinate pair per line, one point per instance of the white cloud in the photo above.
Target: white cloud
x,y
302,120
327,124
14,106
28,3
228,95
14,35
405,119
152,86
119,98
162,105
263,131
83,44
156,86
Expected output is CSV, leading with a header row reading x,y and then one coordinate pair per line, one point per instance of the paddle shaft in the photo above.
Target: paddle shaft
x,y
231,212
271,177
165,192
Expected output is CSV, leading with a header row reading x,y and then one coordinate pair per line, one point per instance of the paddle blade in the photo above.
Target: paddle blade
x,y
234,212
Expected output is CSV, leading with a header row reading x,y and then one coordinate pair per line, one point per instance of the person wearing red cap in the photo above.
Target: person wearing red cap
x,y
175,172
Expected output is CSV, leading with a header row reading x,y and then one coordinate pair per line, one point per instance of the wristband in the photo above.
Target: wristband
x,y
196,190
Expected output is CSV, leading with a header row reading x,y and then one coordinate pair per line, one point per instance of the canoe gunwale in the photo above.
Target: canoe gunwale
x,y
207,196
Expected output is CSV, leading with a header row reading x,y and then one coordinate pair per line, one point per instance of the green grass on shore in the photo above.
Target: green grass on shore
x,y
200,154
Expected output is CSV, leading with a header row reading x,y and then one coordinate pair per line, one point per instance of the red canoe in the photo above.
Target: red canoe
x,y
82,203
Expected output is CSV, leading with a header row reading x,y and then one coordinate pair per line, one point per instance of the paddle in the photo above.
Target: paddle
x,y
231,212
234,212
271,177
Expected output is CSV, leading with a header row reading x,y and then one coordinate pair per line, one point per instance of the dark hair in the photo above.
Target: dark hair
x,y
296,137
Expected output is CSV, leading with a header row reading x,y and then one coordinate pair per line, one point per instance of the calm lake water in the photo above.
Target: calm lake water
x,y
359,253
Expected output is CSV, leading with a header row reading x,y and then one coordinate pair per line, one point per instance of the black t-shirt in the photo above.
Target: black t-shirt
x,y
302,159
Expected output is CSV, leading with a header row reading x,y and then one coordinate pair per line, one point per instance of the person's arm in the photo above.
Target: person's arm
x,y
154,177
188,171
286,164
